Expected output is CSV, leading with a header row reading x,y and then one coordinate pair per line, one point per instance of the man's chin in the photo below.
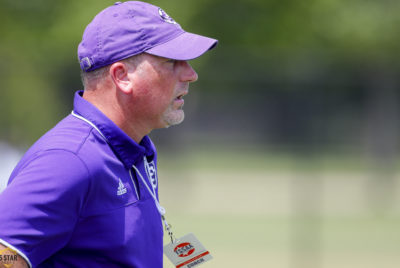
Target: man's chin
x,y
174,118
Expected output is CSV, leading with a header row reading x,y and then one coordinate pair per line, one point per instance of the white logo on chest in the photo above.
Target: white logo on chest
x,y
121,188
151,172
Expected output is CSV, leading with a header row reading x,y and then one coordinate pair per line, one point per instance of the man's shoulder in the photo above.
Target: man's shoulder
x,y
64,142
69,134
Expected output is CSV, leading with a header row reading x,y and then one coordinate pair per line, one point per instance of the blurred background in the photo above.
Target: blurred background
x,y
288,157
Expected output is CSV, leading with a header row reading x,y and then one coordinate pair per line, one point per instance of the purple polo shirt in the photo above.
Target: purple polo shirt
x,y
74,199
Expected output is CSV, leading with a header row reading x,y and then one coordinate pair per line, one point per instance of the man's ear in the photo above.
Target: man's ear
x,y
119,73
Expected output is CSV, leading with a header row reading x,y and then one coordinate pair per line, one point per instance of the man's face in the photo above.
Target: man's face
x,y
160,85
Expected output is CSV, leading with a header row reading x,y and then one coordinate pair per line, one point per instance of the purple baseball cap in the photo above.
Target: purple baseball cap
x,y
130,28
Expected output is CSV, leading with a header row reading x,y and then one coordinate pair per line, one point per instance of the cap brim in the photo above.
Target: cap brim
x,y
186,46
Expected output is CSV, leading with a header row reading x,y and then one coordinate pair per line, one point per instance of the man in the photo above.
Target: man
x,y
86,193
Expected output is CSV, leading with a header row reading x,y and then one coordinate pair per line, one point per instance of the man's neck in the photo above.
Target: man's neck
x,y
111,108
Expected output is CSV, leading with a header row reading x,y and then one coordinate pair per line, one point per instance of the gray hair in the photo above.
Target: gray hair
x,y
98,75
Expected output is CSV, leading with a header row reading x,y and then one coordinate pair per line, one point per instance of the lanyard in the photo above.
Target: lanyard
x,y
160,209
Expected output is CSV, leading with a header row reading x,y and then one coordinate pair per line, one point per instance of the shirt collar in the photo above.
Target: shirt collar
x,y
127,150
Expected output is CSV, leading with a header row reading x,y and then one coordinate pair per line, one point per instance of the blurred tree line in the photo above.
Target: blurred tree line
x,y
287,73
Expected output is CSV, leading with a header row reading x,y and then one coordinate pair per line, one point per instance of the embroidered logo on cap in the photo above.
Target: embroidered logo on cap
x,y
166,17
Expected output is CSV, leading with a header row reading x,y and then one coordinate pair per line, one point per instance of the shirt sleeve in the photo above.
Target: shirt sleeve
x,y
41,205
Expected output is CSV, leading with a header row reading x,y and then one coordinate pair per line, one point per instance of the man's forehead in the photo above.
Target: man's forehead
x,y
151,59
143,61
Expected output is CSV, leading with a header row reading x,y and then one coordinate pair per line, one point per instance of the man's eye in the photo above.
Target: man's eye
x,y
171,61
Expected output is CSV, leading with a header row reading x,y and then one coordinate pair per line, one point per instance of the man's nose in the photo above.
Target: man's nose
x,y
188,73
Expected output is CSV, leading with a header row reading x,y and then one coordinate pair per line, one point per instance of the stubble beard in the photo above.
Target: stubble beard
x,y
173,116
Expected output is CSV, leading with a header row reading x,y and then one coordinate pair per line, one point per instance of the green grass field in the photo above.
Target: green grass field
x,y
255,210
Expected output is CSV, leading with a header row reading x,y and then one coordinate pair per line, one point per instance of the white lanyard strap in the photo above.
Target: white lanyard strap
x,y
90,123
160,209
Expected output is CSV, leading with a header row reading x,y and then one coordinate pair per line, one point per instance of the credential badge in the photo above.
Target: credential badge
x,y
187,252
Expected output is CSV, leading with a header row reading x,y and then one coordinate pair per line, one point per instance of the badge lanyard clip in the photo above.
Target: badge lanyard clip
x,y
168,229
